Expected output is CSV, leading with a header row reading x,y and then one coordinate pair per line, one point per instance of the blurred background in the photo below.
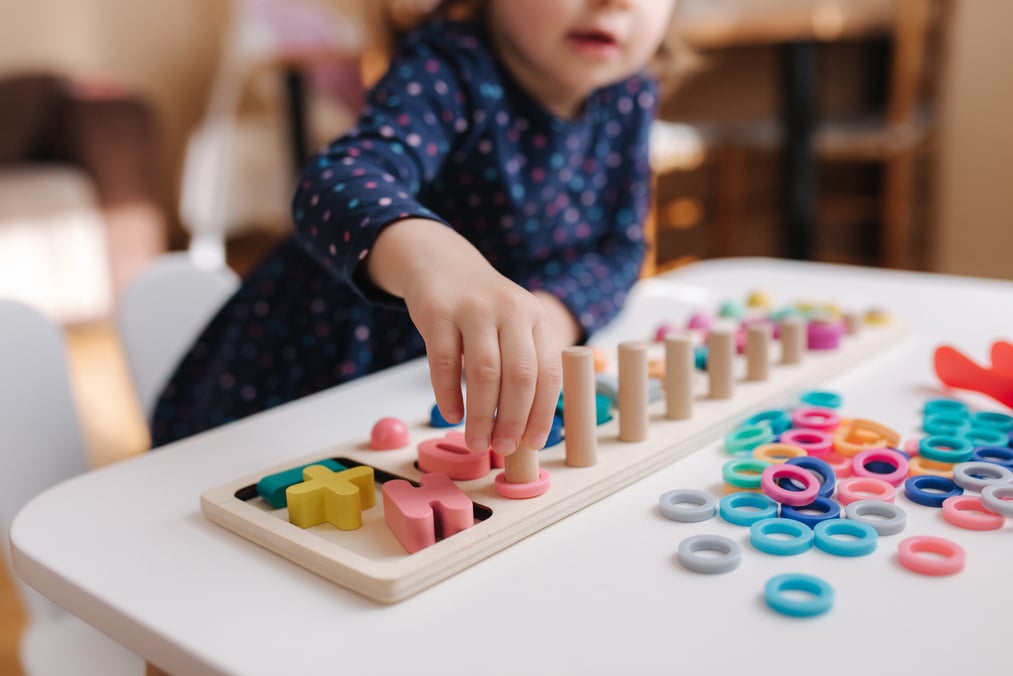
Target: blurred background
x,y
870,132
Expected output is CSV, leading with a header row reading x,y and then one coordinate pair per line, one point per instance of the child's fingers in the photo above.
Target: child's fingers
x,y
517,385
443,349
547,387
482,376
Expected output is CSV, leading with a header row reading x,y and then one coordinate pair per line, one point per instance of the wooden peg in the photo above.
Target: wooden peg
x,y
579,412
632,391
758,351
720,357
792,340
521,466
679,369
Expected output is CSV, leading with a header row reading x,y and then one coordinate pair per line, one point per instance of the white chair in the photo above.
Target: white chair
x,y
161,312
41,444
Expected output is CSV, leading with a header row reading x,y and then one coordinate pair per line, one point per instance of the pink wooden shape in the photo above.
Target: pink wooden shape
x,y
421,516
451,456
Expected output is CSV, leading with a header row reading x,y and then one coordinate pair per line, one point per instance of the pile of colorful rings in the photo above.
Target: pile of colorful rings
x,y
807,477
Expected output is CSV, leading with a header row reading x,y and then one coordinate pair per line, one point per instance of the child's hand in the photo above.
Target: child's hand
x,y
510,339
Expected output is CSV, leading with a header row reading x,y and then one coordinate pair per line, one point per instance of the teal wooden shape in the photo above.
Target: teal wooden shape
x,y
272,487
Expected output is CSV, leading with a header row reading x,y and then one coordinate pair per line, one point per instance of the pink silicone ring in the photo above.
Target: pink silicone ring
x,y
768,482
909,553
864,488
532,489
815,418
968,512
841,464
911,446
816,443
860,463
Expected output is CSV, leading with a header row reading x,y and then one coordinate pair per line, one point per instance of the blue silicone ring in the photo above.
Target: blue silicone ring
x,y
745,509
827,509
823,471
822,595
864,534
800,537
821,399
998,455
945,448
915,489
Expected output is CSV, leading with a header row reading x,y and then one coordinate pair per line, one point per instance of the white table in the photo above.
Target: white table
x,y
127,549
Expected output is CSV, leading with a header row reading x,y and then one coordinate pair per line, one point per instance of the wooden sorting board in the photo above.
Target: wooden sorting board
x,y
370,560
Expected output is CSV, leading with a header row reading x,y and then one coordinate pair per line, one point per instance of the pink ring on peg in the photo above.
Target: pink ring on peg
x,y
531,489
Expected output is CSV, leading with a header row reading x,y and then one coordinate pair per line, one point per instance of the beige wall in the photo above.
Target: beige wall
x,y
975,235
165,49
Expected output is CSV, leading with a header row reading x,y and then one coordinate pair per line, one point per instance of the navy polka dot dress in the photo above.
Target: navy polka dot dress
x,y
553,204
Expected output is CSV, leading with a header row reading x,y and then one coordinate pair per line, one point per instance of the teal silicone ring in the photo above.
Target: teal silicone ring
x,y
743,440
979,435
999,421
776,418
865,542
731,508
821,398
945,448
822,601
947,406
744,472
946,425
801,536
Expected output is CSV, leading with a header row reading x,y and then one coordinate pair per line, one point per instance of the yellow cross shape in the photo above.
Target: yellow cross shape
x,y
335,497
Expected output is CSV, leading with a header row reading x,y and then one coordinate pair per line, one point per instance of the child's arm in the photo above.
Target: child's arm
x,y
510,339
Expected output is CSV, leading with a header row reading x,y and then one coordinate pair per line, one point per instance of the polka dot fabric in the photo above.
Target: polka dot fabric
x,y
553,204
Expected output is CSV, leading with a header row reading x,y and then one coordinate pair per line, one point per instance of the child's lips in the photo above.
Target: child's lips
x,y
593,40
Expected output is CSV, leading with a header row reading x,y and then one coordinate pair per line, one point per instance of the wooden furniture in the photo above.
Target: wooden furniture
x,y
193,598
893,137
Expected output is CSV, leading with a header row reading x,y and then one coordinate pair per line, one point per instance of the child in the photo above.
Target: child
x,y
485,211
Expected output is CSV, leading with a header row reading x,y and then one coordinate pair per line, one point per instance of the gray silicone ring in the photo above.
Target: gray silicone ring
x,y
990,473
730,554
992,498
702,505
894,518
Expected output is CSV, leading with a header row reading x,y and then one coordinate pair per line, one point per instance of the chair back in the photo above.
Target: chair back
x,y
160,315
41,442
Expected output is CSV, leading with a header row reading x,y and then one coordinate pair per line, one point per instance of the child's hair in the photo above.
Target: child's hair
x,y
673,59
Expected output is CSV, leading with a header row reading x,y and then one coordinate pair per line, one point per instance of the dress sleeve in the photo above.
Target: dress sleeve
x,y
373,175
594,283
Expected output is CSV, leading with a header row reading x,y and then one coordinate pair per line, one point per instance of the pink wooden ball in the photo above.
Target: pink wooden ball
x,y
388,434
